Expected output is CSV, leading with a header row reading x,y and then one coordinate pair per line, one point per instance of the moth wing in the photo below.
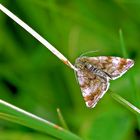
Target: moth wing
x,y
114,66
93,87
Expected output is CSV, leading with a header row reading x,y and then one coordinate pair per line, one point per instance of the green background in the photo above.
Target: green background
x,y
32,78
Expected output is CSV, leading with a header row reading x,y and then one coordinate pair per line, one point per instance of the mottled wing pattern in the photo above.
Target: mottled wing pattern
x,y
92,87
114,66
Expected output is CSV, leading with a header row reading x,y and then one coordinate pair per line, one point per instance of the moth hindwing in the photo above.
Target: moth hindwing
x,y
94,74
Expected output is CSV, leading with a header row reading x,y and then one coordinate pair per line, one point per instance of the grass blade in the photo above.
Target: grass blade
x,y
125,103
123,48
12,113
37,36
133,84
61,118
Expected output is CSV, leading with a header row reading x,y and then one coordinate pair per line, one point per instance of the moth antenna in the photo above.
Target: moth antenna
x,y
88,52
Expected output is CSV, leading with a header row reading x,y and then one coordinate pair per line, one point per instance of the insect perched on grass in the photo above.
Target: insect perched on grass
x,y
94,74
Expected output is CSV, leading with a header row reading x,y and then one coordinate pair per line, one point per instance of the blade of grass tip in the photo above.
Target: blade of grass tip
x,y
14,114
133,84
125,103
125,54
61,118
123,48
37,36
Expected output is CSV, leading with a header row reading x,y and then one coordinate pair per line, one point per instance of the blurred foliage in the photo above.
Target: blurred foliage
x,y
34,79
16,135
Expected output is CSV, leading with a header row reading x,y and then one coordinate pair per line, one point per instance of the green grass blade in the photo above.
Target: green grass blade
x,y
125,103
123,48
62,120
133,84
126,55
17,115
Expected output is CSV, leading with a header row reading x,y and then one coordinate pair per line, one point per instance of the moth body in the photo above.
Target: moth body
x,y
98,72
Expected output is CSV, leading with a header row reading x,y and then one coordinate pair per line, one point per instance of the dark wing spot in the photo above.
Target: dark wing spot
x,y
122,63
93,95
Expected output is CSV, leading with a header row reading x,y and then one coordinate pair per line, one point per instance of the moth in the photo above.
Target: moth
x,y
95,73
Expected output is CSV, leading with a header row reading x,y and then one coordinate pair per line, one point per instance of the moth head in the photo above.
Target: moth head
x,y
81,63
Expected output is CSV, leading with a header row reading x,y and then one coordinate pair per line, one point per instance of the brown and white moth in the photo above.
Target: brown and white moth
x,y
94,74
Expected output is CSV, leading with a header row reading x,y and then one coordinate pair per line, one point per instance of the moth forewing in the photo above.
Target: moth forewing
x,y
94,73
